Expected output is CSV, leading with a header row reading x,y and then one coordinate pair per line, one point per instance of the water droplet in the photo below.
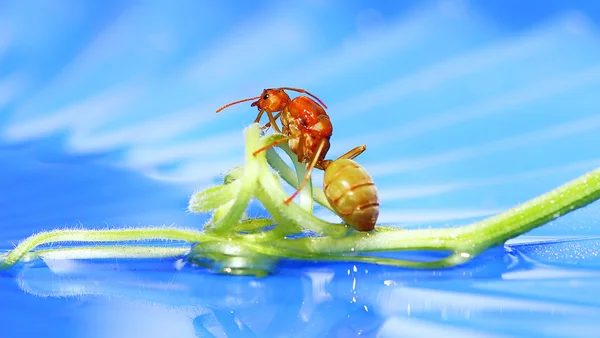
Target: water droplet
x,y
465,254
355,269
366,308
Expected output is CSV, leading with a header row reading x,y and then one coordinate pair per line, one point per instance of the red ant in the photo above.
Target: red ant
x,y
307,127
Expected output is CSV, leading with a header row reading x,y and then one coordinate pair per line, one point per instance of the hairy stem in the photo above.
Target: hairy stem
x,y
116,235
109,251
288,175
248,183
536,212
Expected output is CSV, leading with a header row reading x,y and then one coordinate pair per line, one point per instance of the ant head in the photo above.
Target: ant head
x,y
272,100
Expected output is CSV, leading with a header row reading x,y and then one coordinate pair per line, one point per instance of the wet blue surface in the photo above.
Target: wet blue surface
x,y
467,108
514,291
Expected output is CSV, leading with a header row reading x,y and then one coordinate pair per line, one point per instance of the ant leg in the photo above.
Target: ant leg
x,y
309,169
353,153
272,122
299,90
268,124
272,144
257,119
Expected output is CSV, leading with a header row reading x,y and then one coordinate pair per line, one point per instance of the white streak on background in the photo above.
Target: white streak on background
x,y
401,301
543,273
199,173
400,35
79,117
388,193
164,127
243,50
105,45
204,148
399,296
9,87
431,76
409,327
396,215
407,192
540,89
414,164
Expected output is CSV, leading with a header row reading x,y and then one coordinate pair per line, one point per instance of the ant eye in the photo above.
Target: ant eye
x,y
266,96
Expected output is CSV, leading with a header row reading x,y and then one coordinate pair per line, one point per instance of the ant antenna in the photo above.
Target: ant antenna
x,y
305,92
236,102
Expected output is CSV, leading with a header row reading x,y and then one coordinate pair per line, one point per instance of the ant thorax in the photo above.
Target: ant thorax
x,y
293,130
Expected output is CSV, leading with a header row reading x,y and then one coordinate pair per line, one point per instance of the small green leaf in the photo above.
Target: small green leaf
x,y
212,198
233,174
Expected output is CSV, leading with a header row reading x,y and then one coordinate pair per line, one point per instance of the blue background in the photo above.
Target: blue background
x,y
107,119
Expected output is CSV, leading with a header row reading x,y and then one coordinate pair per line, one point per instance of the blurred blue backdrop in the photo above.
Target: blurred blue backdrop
x,y
107,118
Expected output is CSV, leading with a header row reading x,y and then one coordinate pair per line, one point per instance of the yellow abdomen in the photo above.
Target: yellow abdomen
x,y
352,194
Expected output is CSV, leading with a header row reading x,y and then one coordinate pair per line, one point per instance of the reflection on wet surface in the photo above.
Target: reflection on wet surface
x,y
513,291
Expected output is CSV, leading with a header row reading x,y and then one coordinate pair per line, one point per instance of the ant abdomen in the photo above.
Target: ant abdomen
x,y
352,194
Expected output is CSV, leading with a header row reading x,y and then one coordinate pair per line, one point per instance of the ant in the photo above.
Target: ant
x,y
307,129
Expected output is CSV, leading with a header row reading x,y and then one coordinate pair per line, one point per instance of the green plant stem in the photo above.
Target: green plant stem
x,y
288,175
115,235
272,195
536,212
247,186
106,252
306,199
421,239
